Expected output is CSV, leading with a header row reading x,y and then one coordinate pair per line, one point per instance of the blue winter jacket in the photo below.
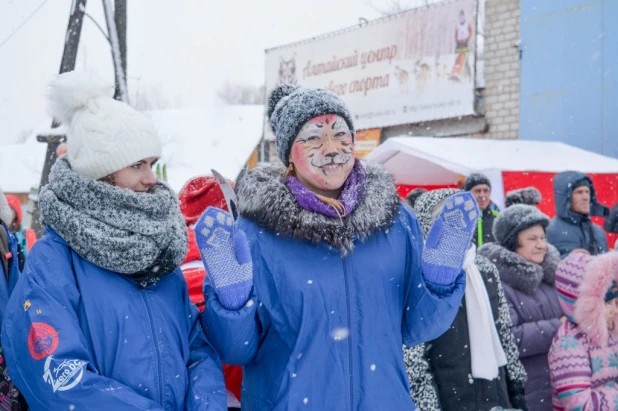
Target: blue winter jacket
x,y
7,286
325,332
570,230
77,336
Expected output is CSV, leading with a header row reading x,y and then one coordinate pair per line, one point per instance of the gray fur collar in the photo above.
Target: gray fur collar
x,y
264,198
518,273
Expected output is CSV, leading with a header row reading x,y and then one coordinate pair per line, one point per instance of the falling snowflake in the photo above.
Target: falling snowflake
x,y
339,334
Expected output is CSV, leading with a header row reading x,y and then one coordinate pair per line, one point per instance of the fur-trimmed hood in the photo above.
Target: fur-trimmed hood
x,y
582,283
264,198
517,272
564,184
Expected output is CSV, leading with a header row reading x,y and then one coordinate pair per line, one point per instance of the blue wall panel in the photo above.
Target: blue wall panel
x,y
569,73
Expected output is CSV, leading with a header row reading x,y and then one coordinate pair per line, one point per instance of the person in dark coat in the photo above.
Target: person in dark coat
x,y
454,371
528,195
527,265
576,201
414,195
611,223
325,275
480,187
101,318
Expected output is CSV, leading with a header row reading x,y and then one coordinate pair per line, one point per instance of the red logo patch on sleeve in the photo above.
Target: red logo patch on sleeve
x,y
42,340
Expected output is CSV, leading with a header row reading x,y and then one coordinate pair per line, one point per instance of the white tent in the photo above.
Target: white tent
x,y
194,141
442,161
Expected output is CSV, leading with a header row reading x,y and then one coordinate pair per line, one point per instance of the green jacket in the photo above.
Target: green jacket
x,y
484,228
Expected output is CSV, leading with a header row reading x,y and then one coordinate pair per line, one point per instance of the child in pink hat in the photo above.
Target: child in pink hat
x,y
583,358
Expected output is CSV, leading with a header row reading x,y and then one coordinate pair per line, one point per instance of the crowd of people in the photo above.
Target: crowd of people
x,y
136,298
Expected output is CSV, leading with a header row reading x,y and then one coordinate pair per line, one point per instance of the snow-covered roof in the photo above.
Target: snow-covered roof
x,y
436,161
194,142
21,165
198,140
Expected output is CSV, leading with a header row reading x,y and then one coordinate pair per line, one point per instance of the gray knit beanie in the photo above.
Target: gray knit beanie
x,y
476,179
290,107
514,220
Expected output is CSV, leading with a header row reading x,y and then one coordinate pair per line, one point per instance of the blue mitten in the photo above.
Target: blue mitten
x,y
225,253
449,238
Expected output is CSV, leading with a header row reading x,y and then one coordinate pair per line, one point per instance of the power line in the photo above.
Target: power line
x,y
22,24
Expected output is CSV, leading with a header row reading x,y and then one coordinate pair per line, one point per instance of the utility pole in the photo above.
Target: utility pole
x,y
69,56
120,17
119,63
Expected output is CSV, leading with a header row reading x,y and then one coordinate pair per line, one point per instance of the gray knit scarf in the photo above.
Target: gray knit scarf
x,y
141,235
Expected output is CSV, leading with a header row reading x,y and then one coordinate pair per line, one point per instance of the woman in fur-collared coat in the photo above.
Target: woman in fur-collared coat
x,y
334,277
527,266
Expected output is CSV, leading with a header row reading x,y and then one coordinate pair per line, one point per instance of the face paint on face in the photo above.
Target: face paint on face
x,y
323,154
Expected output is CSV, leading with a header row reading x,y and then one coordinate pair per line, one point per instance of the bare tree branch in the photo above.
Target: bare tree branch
x,y
151,97
98,26
241,94
120,17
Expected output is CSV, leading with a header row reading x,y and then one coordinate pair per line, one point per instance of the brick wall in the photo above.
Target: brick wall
x,y
501,95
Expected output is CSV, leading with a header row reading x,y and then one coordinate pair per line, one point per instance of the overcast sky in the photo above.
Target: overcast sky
x,y
187,48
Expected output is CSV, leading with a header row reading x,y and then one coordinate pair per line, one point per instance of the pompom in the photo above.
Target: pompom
x,y
72,91
278,93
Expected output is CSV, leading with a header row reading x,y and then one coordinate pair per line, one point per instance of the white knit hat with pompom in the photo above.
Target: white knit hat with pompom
x,y
104,135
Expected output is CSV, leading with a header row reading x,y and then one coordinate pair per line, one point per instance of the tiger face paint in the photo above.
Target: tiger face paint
x,y
323,154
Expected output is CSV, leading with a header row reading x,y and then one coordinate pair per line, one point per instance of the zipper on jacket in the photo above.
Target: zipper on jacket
x,y
350,345
156,342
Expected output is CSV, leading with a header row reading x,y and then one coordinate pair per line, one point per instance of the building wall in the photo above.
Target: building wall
x,y
498,86
502,69
569,77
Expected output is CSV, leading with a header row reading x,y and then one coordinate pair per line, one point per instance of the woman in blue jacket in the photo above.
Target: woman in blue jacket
x,y
333,278
101,318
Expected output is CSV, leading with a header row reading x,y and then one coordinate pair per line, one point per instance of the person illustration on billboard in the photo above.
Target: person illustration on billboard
x,y
463,34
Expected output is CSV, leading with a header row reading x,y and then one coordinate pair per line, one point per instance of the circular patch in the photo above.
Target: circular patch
x,y
42,340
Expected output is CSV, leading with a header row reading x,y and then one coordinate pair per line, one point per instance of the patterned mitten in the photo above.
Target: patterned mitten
x,y
449,239
225,253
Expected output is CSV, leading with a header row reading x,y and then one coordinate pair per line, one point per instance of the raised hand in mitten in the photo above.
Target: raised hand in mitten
x,y
226,256
449,238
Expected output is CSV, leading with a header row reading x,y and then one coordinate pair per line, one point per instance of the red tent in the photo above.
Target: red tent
x,y
510,164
